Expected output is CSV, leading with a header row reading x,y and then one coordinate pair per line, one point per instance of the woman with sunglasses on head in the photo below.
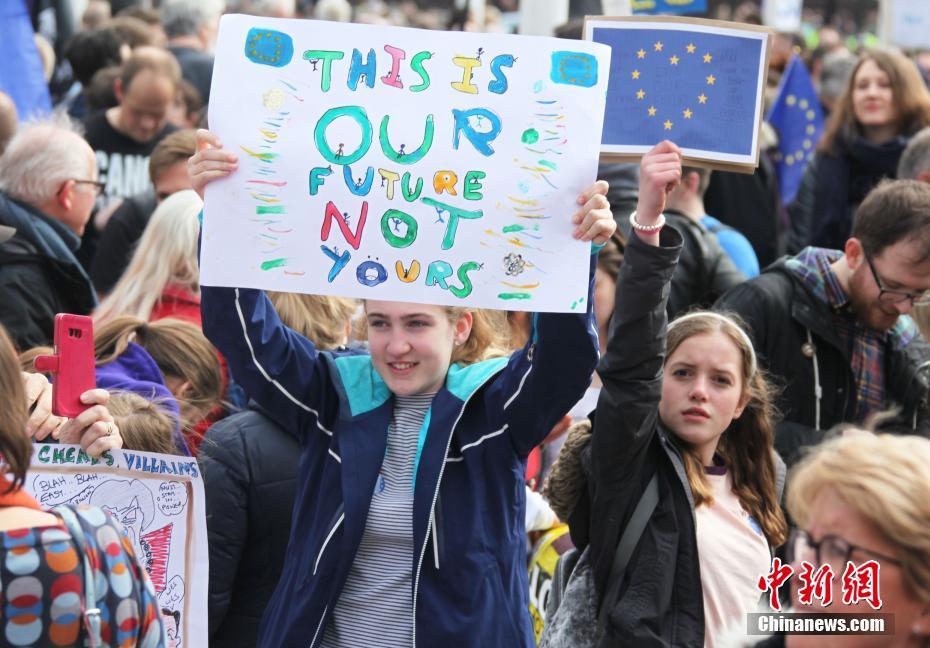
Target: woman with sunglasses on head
x,y
409,517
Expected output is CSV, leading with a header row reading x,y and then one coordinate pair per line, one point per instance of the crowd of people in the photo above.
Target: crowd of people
x,y
747,391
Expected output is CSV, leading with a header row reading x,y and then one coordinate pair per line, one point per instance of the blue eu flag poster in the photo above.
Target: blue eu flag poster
x,y
797,117
697,85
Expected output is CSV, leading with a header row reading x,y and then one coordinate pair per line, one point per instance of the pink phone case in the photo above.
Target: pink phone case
x,y
72,364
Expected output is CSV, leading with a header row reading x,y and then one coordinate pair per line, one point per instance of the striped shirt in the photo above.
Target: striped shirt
x,y
376,604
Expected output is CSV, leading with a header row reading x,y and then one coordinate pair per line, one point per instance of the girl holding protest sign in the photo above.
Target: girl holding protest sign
x,y
684,459
409,521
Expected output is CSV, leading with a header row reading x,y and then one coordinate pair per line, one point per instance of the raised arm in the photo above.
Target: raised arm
x,y
550,374
631,369
277,367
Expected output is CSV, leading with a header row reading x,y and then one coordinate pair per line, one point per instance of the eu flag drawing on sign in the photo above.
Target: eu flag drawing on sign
x,y
797,117
699,87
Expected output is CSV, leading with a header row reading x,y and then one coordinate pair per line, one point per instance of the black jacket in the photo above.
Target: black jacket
x,y
39,275
249,467
660,602
780,311
704,271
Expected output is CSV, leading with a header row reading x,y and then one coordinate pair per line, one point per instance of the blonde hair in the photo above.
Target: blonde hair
x,y
143,424
166,255
320,319
746,445
179,349
488,337
884,478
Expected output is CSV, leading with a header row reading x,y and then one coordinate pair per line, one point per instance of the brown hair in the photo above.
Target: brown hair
x,y
133,31
178,348
908,201
909,94
703,177
143,424
157,60
177,147
15,447
320,319
746,446
610,257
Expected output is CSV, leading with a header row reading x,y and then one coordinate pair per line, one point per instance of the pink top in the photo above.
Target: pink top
x,y
733,552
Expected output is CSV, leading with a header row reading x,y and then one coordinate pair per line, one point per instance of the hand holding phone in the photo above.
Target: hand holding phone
x,y
72,365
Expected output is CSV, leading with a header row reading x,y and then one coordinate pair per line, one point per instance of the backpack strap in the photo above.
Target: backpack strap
x,y
91,611
628,541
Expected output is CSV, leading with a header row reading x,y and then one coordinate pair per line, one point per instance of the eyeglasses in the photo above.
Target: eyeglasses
x,y
98,185
830,550
896,296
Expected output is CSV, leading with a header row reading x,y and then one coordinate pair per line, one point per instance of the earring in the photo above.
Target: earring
x,y
915,631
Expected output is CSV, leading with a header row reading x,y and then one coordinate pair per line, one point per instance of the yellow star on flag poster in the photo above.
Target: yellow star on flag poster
x,y
652,111
658,46
708,58
635,74
641,54
640,94
673,60
702,98
687,113
690,48
668,125
710,79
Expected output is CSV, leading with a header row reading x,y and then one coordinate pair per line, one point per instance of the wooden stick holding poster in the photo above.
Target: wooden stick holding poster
x,y
159,500
696,82
403,164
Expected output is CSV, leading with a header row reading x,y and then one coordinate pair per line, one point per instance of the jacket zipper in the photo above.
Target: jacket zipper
x,y
442,469
435,538
329,536
318,626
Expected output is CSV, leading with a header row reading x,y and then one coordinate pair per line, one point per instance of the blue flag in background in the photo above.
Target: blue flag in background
x,y
21,74
797,117
695,88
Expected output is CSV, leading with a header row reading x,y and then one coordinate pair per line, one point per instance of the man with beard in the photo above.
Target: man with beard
x,y
833,327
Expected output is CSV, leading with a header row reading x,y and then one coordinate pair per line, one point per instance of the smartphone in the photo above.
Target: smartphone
x,y
72,365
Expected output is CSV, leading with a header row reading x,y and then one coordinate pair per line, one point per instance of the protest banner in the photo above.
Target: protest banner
x,y
159,500
904,23
403,164
698,83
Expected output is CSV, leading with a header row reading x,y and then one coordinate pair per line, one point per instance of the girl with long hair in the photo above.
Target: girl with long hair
x,y
163,278
687,405
884,104
409,518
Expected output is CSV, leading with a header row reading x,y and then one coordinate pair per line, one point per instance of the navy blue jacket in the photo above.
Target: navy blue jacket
x,y
470,584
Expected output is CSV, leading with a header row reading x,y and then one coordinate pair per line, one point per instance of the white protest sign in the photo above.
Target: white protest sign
x,y
159,500
403,164
783,15
905,23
